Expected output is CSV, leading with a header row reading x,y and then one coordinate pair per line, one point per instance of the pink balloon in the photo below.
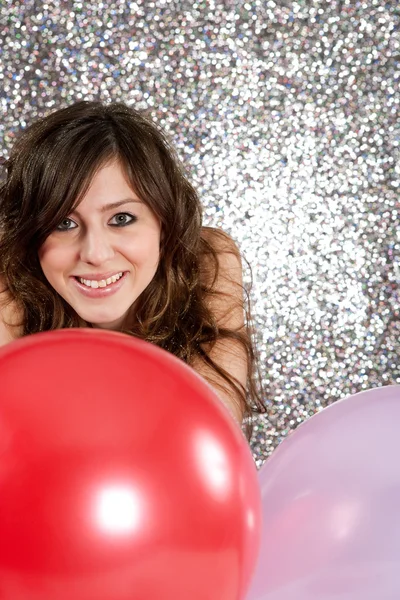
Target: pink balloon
x,y
331,505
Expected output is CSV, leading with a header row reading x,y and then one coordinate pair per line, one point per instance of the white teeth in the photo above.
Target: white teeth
x,y
94,283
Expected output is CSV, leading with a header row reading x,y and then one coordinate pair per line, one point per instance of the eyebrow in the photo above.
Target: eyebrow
x,y
113,205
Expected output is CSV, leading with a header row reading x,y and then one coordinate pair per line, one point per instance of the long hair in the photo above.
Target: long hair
x,y
49,171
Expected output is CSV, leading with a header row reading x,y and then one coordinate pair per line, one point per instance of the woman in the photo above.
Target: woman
x,y
100,228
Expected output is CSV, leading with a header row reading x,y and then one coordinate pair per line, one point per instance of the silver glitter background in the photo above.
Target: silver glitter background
x,y
286,114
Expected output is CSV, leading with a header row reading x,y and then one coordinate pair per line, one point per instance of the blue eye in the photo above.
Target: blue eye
x,y
122,219
66,224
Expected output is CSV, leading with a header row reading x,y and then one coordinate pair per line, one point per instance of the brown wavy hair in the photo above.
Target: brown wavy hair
x,y
49,170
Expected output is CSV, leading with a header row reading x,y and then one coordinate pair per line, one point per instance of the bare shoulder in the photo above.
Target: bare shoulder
x,y
10,322
220,259
220,241
221,273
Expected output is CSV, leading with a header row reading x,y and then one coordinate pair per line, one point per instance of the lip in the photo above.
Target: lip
x,y
109,290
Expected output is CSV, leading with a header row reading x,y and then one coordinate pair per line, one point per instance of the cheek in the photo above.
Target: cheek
x,y
44,256
146,253
52,258
153,256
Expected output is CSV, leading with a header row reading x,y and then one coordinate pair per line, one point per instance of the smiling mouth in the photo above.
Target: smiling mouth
x,y
102,283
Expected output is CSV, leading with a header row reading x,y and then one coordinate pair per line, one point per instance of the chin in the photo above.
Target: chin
x,y
104,322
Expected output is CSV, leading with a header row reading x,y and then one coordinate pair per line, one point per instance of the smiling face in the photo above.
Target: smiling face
x,y
102,257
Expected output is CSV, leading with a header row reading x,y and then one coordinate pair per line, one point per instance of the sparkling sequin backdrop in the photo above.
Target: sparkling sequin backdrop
x,y
286,115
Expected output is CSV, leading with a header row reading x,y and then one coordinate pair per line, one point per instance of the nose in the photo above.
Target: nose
x,y
96,248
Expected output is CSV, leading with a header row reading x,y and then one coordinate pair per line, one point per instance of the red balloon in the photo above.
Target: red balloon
x,y
122,476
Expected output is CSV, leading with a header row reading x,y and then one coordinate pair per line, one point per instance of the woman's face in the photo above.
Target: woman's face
x,y
102,257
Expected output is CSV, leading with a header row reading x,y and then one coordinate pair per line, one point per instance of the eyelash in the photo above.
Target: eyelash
x,y
132,219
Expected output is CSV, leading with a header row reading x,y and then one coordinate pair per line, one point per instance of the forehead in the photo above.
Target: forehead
x,y
108,179
109,185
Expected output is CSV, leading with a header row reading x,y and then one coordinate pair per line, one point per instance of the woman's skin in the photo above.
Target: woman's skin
x,y
110,233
